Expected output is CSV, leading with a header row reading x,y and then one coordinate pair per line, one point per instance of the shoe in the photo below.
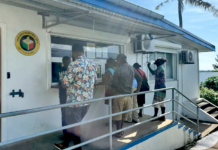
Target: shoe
x,y
128,121
140,115
135,121
162,118
60,146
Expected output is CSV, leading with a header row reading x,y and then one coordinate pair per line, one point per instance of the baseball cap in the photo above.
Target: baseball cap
x,y
136,65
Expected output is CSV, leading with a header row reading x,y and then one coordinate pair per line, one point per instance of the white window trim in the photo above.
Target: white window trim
x,y
48,51
175,78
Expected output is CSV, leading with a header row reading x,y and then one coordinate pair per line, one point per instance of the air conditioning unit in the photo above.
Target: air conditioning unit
x,y
143,44
187,57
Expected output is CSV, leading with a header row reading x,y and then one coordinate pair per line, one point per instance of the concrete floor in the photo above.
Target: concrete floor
x,y
46,142
99,128
209,142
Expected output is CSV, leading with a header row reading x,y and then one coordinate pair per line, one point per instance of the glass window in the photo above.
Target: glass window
x,y
61,47
162,55
152,59
169,66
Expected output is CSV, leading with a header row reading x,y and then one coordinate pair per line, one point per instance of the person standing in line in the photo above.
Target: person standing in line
x,y
133,115
107,77
121,83
79,81
159,84
144,87
62,91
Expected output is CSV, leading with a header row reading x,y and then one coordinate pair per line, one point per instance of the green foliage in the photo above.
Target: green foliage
x,y
209,94
211,83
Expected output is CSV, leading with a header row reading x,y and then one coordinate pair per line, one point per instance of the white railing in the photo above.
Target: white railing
x,y
16,113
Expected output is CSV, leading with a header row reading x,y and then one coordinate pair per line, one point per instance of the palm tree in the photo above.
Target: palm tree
x,y
215,66
199,3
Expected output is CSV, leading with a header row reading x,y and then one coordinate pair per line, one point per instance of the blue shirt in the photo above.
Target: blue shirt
x,y
134,84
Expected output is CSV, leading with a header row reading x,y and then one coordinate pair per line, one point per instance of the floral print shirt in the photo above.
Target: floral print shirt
x,y
80,79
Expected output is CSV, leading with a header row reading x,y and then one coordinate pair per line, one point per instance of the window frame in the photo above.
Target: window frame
x,y
174,65
49,58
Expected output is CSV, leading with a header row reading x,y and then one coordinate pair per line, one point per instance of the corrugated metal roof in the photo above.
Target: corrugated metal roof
x,y
136,8
112,11
122,9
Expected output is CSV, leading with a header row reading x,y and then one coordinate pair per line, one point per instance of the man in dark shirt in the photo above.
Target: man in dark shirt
x,y
121,83
63,92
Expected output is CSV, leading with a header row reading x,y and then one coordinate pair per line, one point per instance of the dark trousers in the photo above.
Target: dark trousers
x,y
72,116
63,100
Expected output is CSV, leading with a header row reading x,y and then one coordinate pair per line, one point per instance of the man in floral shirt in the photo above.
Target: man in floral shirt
x,y
79,81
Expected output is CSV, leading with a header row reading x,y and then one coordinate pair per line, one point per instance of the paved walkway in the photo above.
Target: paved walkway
x,y
209,142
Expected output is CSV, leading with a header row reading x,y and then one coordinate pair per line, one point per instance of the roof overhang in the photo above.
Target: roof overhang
x,y
119,17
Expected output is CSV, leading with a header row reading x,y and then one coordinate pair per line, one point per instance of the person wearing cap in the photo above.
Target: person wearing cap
x,y
144,87
159,84
121,83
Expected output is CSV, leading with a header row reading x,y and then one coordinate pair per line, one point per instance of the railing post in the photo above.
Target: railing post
x,y
173,108
198,118
110,123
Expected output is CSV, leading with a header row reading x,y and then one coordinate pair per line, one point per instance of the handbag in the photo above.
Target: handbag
x,y
145,86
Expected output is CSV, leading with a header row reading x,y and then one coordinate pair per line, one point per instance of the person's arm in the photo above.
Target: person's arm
x,y
139,81
105,78
149,67
69,76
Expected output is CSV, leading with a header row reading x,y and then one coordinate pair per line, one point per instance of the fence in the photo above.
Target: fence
x,y
173,112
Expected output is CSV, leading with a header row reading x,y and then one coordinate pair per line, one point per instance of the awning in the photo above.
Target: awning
x,y
83,14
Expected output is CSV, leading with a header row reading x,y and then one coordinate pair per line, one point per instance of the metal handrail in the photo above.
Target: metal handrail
x,y
186,108
16,113
186,97
209,103
28,111
78,124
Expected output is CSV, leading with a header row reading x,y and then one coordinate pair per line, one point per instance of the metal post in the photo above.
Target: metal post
x,y
173,109
110,123
198,118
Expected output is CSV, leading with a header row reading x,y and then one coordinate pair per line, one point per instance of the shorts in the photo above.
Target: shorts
x,y
76,114
159,97
119,105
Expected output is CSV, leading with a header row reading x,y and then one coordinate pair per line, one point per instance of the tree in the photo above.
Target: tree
x,y
199,3
215,66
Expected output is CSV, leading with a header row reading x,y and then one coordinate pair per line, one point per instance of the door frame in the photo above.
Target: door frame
x,y
3,78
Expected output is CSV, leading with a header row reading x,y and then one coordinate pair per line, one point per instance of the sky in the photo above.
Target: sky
x,y
195,20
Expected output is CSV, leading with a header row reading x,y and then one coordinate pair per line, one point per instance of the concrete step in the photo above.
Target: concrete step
x,y
203,104
204,129
214,114
209,109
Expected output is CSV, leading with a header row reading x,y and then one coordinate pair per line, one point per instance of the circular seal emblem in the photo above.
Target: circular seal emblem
x,y
27,43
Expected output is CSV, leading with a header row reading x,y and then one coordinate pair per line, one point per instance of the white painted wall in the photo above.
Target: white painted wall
x,y
190,81
205,75
32,74
176,138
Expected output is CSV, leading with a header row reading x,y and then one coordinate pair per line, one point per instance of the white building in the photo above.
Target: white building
x,y
104,24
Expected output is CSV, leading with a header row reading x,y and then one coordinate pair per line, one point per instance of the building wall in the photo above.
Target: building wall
x,y
31,74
